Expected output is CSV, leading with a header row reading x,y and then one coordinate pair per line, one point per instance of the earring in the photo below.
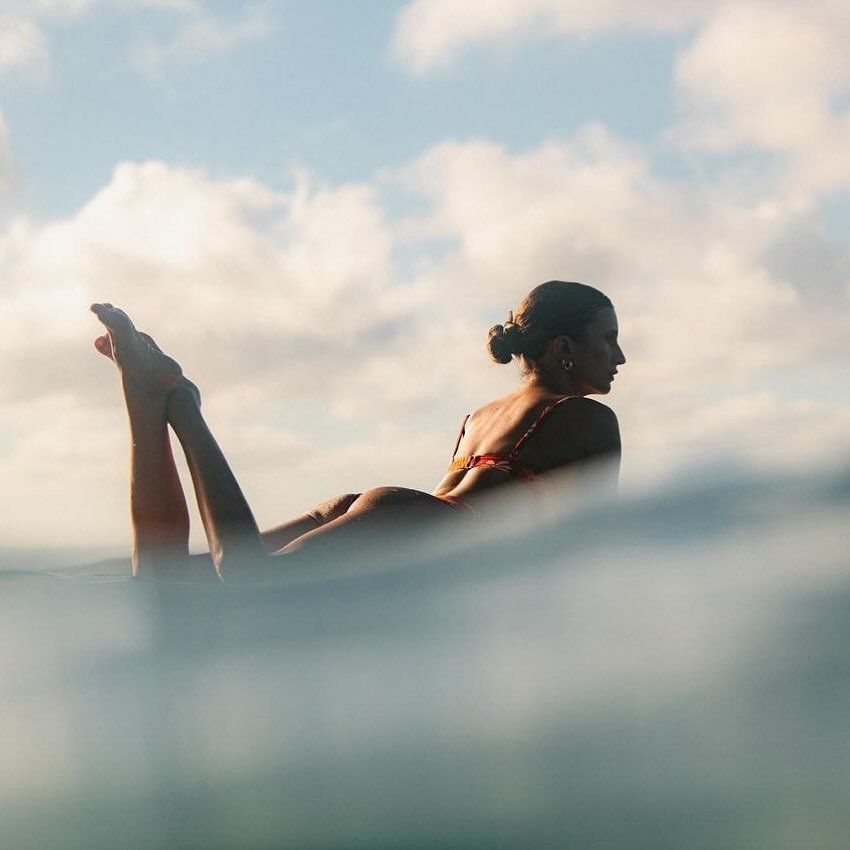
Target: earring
x,y
567,365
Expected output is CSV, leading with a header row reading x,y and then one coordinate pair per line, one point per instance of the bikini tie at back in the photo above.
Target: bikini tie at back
x,y
507,463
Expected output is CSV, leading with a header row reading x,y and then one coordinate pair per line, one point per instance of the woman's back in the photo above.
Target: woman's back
x,y
524,434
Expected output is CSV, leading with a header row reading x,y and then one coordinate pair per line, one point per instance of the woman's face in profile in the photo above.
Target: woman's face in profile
x,y
597,354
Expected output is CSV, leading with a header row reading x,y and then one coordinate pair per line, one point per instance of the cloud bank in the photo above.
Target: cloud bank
x,y
429,34
328,365
338,341
25,27
766,76
200,37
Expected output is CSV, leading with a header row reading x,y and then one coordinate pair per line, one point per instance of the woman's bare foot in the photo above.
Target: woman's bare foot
x,y
137,356
104,345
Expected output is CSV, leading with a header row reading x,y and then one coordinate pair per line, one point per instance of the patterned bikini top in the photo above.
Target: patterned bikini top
x,y
508,463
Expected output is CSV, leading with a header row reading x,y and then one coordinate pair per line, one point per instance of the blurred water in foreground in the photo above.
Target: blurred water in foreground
x,y
668,671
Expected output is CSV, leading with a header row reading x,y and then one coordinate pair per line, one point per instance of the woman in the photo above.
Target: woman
x,y
563,334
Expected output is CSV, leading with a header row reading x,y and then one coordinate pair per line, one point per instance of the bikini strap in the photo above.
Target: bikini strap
x,y
544,413
460,435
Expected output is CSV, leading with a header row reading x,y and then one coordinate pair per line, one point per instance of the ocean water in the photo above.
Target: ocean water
x,y
666,670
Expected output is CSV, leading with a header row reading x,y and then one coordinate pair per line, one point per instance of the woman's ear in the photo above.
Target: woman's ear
x,y
562,347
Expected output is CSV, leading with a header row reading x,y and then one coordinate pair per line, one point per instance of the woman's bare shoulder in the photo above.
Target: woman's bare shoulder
x,y
495,407
588,409
583,424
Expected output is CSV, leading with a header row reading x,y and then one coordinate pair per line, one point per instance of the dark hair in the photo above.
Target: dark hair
x,y
555,308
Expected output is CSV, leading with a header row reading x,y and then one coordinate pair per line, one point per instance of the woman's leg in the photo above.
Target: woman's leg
x,y
333,532
160,519
230,527
238,549
274,539
158,512
157,394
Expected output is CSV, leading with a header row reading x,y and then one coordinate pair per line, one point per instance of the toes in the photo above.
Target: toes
x,y
150,341
136,354
112,317
104,345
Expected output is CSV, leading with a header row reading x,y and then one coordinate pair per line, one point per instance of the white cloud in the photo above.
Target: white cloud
x,y
172,246
760,430
63,467
38,8
24,26
23,46
269,301
203,36
430,33
757,75
768,76
69,8
592,206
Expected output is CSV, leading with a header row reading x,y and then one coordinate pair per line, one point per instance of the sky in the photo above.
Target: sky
x,y
319,208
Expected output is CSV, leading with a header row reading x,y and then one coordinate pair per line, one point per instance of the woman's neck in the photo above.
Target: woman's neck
x,y
550,380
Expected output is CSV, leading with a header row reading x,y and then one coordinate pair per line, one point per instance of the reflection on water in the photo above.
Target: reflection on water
x,y
671,671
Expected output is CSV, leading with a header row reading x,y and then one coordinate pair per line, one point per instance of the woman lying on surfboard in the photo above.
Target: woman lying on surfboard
x,y
563,334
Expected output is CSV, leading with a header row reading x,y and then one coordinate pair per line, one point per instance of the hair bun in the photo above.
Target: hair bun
x,y
555,308
502,341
